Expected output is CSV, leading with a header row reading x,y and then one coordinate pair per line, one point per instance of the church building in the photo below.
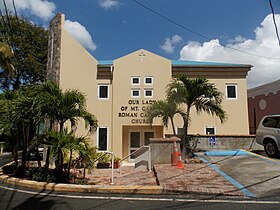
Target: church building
x,y
118,91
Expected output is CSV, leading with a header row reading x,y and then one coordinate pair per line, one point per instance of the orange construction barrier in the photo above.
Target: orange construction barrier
x,y
175,154
180,163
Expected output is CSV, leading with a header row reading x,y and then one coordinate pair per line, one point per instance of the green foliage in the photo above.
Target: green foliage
x,y
104,157
6,53
29,43
22,110
197,93
116,159
164,109
43,175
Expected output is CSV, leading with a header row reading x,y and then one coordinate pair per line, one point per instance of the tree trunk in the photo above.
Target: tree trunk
x,y
60,127
60,166
24,149
173,126
70,160
47,164
38,158
15,138
185,137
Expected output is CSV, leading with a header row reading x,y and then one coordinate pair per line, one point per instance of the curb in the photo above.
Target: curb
x,y
81,188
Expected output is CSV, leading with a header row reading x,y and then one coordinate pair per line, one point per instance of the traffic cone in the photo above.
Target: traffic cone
x,y
180,163
175,154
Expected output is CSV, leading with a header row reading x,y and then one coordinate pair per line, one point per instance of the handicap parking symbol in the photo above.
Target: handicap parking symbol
x,y
212,140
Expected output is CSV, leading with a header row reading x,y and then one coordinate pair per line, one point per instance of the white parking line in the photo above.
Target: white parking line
x,y
142,198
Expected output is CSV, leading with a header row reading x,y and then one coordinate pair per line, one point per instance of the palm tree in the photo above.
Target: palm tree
x,y
197,93
6,53
60,107
8,127
63,144
39,102
65,106
164,109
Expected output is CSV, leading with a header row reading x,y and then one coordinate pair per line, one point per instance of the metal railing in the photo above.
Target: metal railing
x,y
112,163
133,153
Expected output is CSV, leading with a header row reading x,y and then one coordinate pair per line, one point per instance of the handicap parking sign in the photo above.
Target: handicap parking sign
x,y
212,140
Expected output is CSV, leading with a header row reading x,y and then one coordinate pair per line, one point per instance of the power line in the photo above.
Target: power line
x,y
273,16
198,34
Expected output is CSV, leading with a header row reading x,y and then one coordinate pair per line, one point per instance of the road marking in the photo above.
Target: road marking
x,y
229,178
143,198
267,159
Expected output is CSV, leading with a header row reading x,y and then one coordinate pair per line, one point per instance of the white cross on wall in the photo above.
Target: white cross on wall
x,y
142,55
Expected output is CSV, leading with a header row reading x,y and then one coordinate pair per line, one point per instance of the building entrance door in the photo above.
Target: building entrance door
x,y
138,138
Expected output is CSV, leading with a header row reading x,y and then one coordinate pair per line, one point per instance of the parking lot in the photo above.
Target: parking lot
x,y
254,172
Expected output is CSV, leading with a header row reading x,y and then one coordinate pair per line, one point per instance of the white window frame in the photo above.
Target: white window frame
x,y
215,129
135,89
135,77
97,139
152,78
236,91
149,89
108,92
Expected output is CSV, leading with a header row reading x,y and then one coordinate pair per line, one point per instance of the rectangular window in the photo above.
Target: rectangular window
x,y
102,137
148,93
148,80
135,93
103,91
231,91
135,80
210,130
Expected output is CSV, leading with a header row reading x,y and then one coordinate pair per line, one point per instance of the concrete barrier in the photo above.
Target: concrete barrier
x,y
162,150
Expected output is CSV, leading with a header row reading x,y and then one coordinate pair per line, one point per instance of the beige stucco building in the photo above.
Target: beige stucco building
x,y
118,91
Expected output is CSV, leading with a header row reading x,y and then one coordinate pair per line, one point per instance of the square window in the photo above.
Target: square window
x,y
231,91
148,80
135,93
148,93
102,137
210,130
103,91
135,80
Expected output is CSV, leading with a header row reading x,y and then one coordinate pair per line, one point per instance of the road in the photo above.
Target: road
x,y
22,199
26,199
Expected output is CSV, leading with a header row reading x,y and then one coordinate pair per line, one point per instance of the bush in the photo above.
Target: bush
x,y
44,175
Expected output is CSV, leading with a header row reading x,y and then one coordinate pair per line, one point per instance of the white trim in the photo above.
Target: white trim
x,y
149,89
97,139
152,78
98,91
135,89
215,129
135,77
236,91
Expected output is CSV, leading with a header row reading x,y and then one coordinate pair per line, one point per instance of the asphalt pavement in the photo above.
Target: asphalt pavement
x,y
22,199
258,175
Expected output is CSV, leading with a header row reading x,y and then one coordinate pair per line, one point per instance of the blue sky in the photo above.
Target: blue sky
x,y
109,29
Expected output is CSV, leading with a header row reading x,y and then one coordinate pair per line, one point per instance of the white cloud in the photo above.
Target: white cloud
x,y
80,33
42,9
109,4
169,44
265,44
237,39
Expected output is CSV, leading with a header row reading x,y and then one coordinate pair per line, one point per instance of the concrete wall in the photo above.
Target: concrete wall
x,y
229,143
162,150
